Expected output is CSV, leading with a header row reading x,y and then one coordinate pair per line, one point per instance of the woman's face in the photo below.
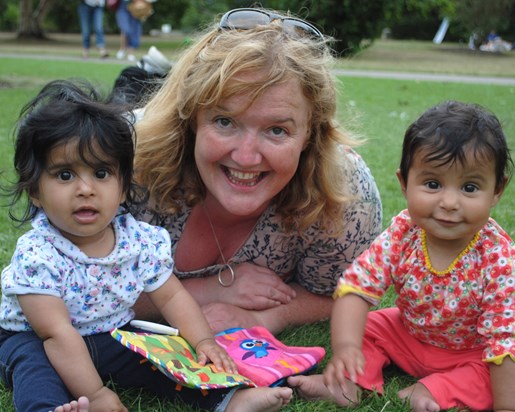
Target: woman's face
x,y
246,159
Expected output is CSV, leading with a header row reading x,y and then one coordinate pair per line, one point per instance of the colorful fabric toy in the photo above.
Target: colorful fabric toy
x,y
261,358
173,356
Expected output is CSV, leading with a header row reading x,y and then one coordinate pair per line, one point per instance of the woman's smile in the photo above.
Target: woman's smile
x,y
239,177
245,158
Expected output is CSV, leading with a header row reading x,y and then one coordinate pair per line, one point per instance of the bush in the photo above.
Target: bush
x,y
10,16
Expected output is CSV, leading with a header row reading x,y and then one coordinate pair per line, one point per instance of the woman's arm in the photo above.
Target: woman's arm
x,y
67,350
255,288
305,308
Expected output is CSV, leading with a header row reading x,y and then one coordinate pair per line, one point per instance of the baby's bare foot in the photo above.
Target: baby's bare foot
x,y
420,398
313,388
80,405
260,399
310,387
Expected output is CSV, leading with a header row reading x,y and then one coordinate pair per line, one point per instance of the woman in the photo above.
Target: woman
x,y
131,30
245,166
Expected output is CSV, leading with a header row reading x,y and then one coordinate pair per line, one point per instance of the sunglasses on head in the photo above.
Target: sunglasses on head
x,y
247,18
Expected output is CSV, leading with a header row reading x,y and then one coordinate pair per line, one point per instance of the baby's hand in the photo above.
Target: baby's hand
x,y
208,349
346,358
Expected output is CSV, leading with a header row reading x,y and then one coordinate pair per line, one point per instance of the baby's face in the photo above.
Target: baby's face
x,y
452,202
79,197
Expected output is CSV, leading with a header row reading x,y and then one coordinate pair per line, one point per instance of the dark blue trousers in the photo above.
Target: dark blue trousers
x,y
36,386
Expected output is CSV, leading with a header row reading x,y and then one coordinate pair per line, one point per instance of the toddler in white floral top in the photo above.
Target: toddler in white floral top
x,y
78,272
451,266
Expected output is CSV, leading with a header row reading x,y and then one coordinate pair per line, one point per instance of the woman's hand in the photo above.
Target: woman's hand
x,y
254,288
222,316
305,308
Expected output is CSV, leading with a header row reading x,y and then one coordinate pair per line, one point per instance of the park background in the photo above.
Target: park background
x,y
385,82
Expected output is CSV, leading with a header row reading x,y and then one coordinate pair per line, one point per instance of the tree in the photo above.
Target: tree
x,y
31,18
420,19
354,24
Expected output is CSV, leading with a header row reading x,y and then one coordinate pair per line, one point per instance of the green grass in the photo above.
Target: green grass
x,y
385,108
423,56
380,110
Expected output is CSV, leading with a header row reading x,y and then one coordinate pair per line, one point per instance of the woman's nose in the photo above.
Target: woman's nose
x,y
247,151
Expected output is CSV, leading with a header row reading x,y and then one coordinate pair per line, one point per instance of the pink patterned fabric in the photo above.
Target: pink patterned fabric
x,y
470,306
263,358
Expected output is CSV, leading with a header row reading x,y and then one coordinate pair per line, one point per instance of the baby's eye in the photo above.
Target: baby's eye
x,y
433,185
102,174
470,188
65,175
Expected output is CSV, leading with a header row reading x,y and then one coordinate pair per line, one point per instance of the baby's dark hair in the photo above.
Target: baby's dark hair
x,y
446,132
64,111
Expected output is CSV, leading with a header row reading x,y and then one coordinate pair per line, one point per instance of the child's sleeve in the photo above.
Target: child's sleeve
x,y
497,322
35,268
370,274
156,260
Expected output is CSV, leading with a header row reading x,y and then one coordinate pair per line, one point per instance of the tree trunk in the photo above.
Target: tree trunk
x,y
31,18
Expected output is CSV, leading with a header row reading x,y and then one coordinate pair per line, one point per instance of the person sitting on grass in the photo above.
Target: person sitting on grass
x,y
76,275
451,266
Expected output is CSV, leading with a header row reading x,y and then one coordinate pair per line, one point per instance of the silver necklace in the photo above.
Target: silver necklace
x,y
226,264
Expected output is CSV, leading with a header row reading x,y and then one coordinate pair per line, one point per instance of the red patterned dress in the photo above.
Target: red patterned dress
x,y
447,325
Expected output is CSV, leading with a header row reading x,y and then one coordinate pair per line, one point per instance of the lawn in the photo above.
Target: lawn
x,y
378,110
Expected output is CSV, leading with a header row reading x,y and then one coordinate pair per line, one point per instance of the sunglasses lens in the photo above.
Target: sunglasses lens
x,y
244,19
301,28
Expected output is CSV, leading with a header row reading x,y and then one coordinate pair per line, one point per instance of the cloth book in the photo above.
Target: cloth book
x,y
261,358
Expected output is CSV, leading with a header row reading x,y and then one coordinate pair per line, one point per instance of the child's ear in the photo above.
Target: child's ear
x,y
499,191
401,181
34,198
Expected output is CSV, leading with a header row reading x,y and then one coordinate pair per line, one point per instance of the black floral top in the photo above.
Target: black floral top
x,y
313,260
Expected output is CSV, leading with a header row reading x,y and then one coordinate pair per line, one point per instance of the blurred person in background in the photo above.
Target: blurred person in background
x,y
130,32
91,16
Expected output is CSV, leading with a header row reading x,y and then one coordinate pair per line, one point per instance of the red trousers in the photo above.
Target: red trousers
x,y
454,378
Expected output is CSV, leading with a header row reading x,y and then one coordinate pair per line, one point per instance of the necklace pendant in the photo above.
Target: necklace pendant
x,y
232,277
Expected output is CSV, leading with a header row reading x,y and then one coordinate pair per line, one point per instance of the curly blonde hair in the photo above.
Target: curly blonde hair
x,y
206,74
